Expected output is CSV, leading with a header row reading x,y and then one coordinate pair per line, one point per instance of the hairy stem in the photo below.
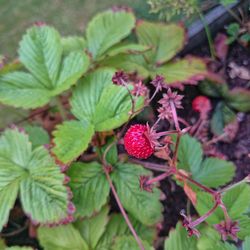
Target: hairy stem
x,y
61,108
203,217
139,242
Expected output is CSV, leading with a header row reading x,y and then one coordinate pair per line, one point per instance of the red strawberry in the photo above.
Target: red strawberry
x,y
202,105
137,142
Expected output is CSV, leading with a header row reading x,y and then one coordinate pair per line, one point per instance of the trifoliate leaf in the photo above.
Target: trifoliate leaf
x,y
144,206
89,186
43,196
71,139
61,238
211,172
41,53
108,28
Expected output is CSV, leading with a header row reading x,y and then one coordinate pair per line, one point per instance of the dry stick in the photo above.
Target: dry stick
x,y
139,242
18,231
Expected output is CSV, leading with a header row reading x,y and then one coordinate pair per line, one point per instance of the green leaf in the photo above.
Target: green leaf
x,y
187,70
239,99
244,224
89,186
222,116
42,192
38,136
107,29
213,89
144,206
2,244
178,240
127,48
246,244
118,227
71,139
41,52
61,238
215,172
128,63
245,37
35,173
166,39
73,43
129,243
236,200
210,240
91,229
211,172
21,89
189,154
102,103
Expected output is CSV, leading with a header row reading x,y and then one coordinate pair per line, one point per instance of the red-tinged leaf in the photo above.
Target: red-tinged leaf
x,y
190,193
189,70
221,46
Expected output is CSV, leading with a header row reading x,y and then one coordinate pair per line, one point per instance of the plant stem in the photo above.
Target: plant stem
x,y
206,189
160,177
61,108
149,165
123,210
204,217
208,33
229,187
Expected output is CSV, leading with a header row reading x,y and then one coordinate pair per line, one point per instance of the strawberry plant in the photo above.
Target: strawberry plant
x,y
83,185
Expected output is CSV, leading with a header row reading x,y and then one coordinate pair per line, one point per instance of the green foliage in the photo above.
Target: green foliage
x,y
212,172
221,117
38,136
107,29
117,227
61,238
233,30
99,232
89,186
71,139
102,103
33,173
91,229
41,52
209,240
158,59
178,240
246,244
237,202
127,243
144,206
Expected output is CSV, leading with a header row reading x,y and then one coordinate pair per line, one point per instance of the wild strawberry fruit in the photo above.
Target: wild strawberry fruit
x,y
201,104
137,142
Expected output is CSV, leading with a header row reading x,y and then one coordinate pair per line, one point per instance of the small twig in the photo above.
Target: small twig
x,y
149,165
